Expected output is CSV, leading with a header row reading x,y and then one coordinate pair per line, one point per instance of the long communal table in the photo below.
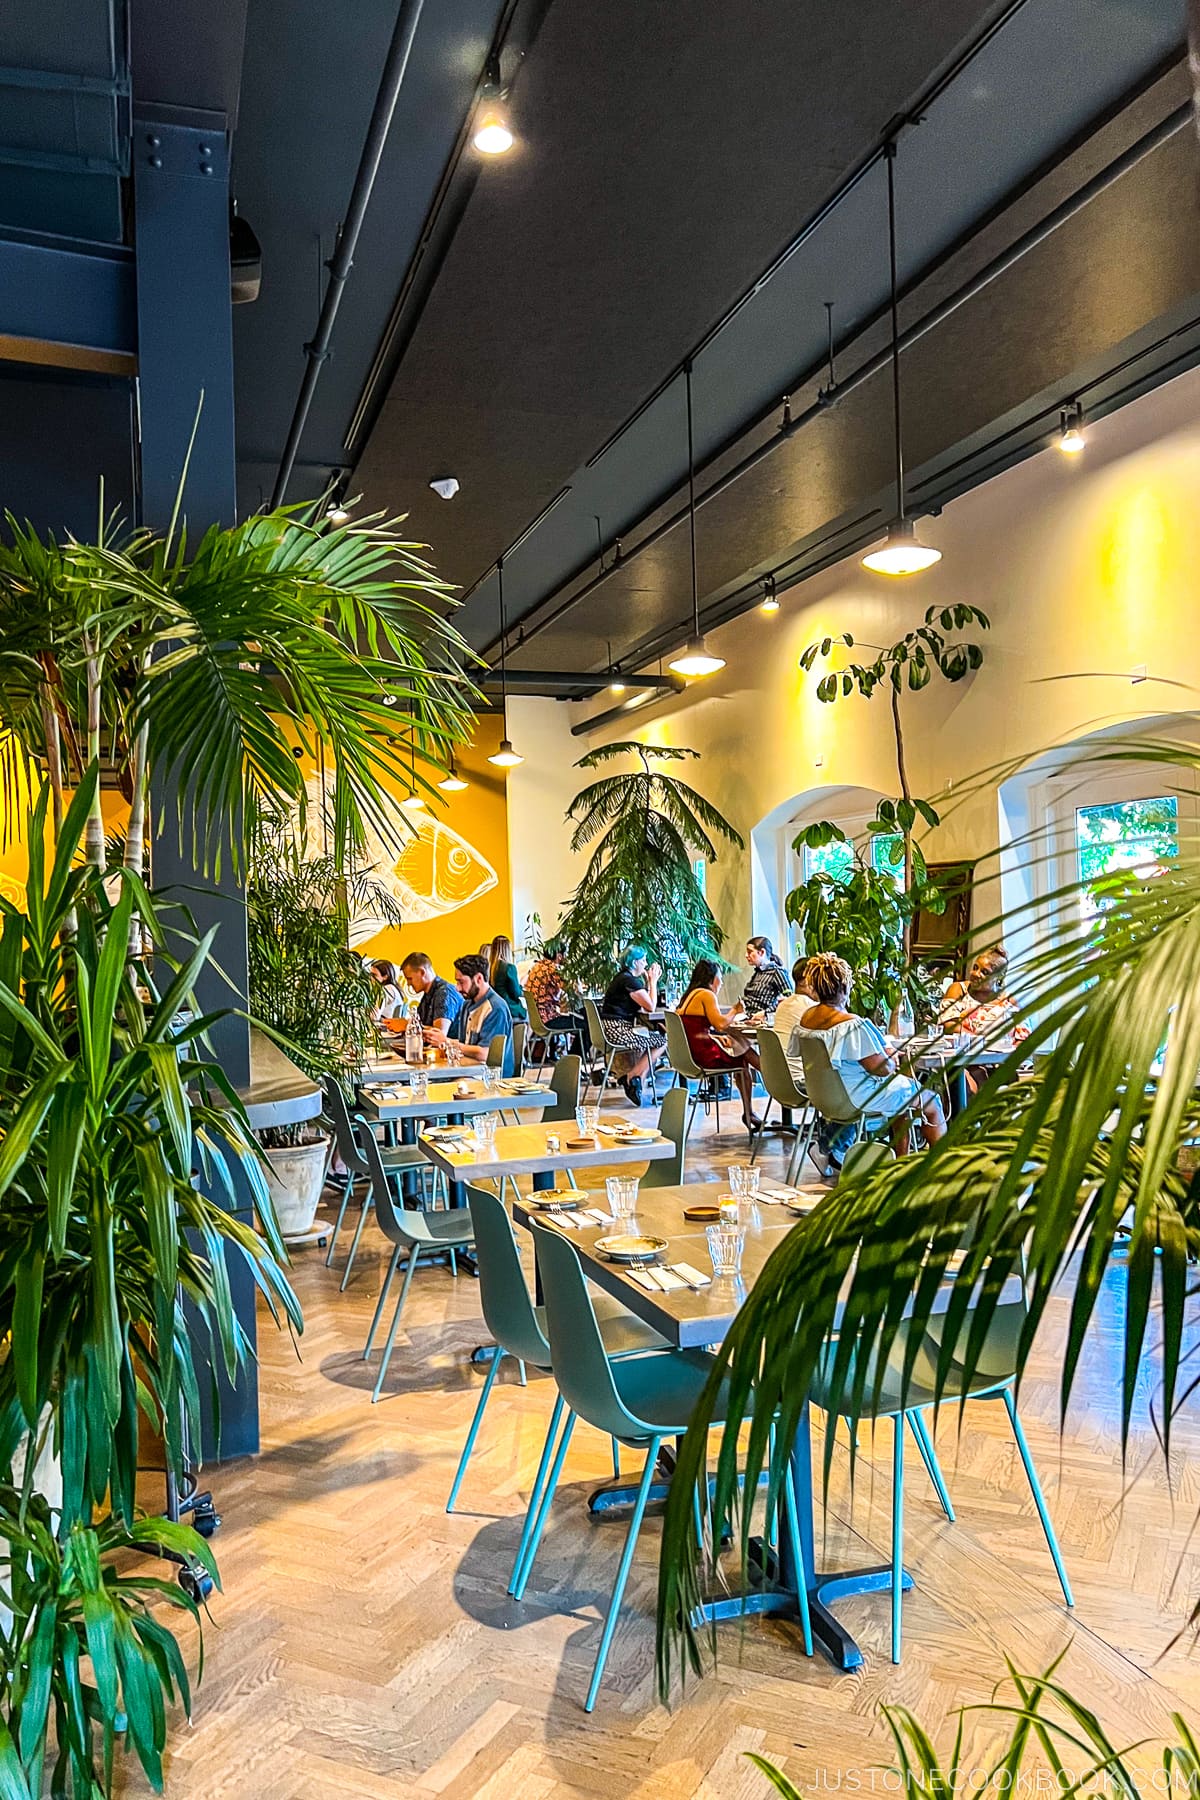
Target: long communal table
x,y
691,1317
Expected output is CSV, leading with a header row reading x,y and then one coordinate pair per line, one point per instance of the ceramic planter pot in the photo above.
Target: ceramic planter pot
x,y
296,1178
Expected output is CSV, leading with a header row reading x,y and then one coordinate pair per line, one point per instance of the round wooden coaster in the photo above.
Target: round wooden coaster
x,y
702,1215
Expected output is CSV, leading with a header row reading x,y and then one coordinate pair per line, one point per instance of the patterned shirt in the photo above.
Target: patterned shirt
x,y
544,986
765,988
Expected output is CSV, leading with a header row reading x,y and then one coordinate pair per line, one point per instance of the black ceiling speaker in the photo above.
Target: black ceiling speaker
x,y
245,258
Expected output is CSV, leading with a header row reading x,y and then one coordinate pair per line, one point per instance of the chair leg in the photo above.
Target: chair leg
x,y
333,1236
1038,1497
616,1456
358,1231
924,1439
393,1328
897,1530
614,1605
476,1422
793,1530
539,1523
384,1291
536,1491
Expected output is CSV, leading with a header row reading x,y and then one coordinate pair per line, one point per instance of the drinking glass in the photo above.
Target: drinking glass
x,y
418,1087
485,1129
725,1245
622,1191
587,1118
487,1075
743,1179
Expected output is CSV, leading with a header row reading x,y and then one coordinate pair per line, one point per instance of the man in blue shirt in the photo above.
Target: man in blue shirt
x,y
440,1003
483,1017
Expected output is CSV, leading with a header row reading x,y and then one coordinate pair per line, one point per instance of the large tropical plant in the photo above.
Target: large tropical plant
x,y
107,1107
306,986
1036,1175
860,914
908,665
647,830
215,664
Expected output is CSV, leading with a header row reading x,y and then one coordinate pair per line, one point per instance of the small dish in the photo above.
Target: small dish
x,y
554,1200
630,1249
702,1215
581,1143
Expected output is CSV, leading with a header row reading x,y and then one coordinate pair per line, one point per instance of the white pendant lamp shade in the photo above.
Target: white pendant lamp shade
x,y
696,659
902,552
505,757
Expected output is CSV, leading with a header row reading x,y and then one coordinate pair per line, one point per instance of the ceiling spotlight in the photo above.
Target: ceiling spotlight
x,y
901,552
770,599
1070,430
338,514
452,782
696,659
445,487
616,687
493,135
615,684
505,757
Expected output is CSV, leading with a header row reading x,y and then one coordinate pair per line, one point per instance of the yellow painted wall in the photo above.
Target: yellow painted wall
x,y
1088,568
480,817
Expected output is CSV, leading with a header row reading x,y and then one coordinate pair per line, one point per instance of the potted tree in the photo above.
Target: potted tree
x,y
648,830
312,993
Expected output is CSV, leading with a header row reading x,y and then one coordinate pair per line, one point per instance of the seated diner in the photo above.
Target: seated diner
x,y
549,992
860,1055
439,1002
482,1017
713,1039
767,984
503,976
631,995
390,1002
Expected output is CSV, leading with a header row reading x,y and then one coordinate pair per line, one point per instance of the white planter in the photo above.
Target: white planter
x,y
296,1178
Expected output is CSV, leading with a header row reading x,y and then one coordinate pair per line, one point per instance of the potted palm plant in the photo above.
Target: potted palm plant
x,y
312,993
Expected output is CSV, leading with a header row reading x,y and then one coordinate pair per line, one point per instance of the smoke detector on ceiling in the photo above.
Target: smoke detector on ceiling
x,y
445,487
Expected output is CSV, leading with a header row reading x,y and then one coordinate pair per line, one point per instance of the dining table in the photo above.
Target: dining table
x,y
527,1150
391,1066
950,1058
452,1098
691,1317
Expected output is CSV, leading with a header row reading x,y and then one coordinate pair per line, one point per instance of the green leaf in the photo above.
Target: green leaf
x,y
26,1331
13,1785
926,811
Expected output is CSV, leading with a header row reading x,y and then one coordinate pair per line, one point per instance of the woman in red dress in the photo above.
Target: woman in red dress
x,y
713,1044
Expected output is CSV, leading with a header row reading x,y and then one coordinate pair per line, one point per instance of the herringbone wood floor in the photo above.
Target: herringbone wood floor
x,y
364,1644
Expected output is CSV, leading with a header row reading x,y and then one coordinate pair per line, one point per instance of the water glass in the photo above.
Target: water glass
x,y
743,1179
418,1087
485,1129
487,1076
622,1191
725,1245
587,1118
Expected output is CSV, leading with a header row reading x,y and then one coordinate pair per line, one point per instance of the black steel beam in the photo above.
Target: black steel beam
x,y
56,299
571,681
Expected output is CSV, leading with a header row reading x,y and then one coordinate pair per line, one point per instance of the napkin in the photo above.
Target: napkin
x,y
693,1277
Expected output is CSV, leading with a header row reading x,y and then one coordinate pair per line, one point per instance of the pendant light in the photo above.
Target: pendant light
x,y
452,782
695,659
615,684
902,552
412,802
505,757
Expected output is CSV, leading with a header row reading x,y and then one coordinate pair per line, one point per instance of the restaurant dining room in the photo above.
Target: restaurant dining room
x,y
599,899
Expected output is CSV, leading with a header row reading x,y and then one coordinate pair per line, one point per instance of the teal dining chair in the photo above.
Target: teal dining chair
x,y
673,1120
782,1087
518,1326
684,1066
994,1379
413,1232
828,1097
602,1051
639,1400
394,1157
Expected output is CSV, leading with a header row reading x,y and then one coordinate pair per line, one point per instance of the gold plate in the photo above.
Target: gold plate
x,y
630,1249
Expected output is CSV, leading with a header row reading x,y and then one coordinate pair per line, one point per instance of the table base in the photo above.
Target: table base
x,y
768,1595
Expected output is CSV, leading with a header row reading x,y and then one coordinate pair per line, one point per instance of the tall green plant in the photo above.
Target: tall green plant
x,y
909,664
211,664
1041,1174
107,1104
647,828
306,985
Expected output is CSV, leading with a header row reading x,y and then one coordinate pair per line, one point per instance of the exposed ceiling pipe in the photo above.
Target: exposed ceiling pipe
x,y
571,681
342,260
1000,265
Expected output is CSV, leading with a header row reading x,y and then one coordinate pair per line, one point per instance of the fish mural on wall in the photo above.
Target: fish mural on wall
x,y
12,890
435,872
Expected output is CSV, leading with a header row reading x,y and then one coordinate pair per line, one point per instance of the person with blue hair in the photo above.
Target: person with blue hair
x,y
632,995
